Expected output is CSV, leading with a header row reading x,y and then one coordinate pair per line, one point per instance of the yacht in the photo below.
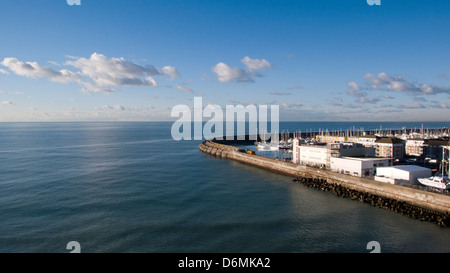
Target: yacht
x,y
262,146
438,181
272,146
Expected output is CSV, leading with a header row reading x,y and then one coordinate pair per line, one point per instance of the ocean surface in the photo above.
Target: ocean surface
x,y
129,187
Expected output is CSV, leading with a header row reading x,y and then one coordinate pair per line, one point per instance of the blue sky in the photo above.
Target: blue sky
x,y
135,60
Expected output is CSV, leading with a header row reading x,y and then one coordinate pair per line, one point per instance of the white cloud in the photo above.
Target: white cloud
x,y
98,73
34,70
7,102
118,107
227,73
54,63
3,72
184,89
170,71
362,97
354,86
92,87
355,90
386,82
114,71
256,64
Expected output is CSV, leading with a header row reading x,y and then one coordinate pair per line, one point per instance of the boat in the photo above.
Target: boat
x,y
438,181
267,146
274,147
274,142
264,146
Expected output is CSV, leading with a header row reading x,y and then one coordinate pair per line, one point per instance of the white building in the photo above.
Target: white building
x,y
414,146
358,166
319,155
295,146
368,140
313,155
402,174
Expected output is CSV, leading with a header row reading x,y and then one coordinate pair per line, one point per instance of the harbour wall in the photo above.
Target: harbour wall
x,y
415,203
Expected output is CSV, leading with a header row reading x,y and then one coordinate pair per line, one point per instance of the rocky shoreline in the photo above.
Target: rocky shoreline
x,y
415,212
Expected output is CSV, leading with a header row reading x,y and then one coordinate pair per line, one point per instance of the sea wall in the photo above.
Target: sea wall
x,y
415,203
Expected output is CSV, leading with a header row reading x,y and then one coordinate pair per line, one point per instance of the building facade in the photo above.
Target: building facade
x,y
390,147
414,147
432,148
319,155
402,174
356,166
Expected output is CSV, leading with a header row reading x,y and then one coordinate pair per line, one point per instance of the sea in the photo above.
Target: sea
x,y
129,187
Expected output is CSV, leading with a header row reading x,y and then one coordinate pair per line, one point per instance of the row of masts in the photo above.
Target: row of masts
x,y
353,132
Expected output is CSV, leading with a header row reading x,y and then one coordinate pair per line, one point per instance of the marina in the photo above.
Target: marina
x,y
418,193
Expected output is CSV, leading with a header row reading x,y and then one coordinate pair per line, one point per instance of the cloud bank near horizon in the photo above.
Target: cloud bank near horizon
x,y
387,83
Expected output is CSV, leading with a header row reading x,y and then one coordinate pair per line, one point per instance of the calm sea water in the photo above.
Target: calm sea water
x,y
128,187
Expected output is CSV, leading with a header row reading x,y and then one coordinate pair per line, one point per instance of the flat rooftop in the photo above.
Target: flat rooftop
x,y
408,168
366,158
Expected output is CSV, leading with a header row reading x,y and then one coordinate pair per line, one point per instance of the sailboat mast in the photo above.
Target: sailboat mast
x,y
443,161
448,160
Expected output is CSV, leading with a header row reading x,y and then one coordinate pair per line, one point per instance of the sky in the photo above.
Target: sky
x,y
319,60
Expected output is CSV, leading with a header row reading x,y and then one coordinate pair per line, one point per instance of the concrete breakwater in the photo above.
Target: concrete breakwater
x,y
415,212
417,204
